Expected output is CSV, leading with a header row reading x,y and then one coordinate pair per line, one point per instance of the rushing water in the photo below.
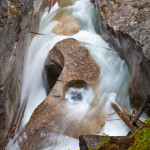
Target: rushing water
x,y
114,76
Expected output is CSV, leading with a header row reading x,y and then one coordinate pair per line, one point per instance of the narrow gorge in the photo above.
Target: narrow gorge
x,y
74,73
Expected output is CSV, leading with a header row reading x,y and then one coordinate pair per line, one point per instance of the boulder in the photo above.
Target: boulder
x,y
113,142
74,61
76,69
64,3
126,26
67,25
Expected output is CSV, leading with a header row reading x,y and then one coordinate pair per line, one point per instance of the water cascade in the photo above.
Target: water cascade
x,y
114,76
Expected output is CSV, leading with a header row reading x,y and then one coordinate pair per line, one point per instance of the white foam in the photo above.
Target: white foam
x,y
62,142
114,125
114,76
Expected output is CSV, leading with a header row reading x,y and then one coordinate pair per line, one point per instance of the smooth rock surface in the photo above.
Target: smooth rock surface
x,y
67,25
77,63
74,63
53,115
126,26
64,3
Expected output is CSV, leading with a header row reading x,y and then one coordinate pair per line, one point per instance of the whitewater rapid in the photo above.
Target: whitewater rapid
x,y
114,75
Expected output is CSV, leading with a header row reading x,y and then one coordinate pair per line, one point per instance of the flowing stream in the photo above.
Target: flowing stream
x,y
114,76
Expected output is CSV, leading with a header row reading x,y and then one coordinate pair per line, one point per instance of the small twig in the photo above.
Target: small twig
x,y
140,111
85,43
113,119
107,48
127,115
36,33
94,45
123,117
8,137
112,114
134,117
22,109
133,113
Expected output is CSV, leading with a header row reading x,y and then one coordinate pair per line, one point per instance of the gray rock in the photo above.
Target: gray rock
x,y
15,24
126,26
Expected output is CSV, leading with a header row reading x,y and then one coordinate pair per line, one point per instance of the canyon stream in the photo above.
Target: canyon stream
x,y
113,80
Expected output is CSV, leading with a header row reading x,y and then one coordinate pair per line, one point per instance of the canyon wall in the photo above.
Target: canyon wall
x,y
125,25
17,19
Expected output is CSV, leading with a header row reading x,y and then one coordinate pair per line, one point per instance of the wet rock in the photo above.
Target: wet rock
x,y
75,60
70,53
54,115
126,26
67,25
18,18
115,142
64,3
92,1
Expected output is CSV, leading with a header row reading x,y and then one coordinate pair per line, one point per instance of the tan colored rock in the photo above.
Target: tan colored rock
x,y
75,61
60,14
67,25
78,64
53,115
64,3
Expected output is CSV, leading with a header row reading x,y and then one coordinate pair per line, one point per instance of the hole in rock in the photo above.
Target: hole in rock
x,y
78,92
76,96
50,75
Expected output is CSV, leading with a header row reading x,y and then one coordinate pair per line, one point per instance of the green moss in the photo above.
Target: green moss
x,y
117,2
14,11
140,140
125,35
142,137
11,1
112,146
138,20
103,141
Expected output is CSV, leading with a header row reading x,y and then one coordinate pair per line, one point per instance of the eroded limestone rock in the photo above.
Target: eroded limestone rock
x,y
75,60
67,25
54,115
